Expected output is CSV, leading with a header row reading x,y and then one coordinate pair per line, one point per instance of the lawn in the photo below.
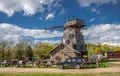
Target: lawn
x,y
49,74
108,63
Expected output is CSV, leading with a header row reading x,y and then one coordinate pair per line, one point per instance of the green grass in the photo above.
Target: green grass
x,y
25,67
61,74
4,66
107,64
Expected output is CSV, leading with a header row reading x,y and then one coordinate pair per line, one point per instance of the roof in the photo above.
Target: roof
x,y
72,49
64,45
75,22
55,48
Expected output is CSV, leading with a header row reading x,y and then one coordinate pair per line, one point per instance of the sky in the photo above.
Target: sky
x,y
25,20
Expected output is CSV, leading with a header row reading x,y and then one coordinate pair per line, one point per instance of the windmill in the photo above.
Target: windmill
x,y
72,44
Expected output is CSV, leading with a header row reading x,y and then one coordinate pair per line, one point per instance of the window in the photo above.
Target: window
x,y
81,46
62,46
69,60
75,46
67,42
71,36
79,60
73,60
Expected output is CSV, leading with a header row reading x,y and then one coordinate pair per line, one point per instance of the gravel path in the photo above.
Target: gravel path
x,y
56,70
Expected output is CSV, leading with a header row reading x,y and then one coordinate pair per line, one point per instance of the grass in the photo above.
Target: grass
x,y
60,74
4,66
24,67
28,66
107,64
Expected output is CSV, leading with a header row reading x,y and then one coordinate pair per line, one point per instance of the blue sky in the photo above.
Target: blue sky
x,y
23,20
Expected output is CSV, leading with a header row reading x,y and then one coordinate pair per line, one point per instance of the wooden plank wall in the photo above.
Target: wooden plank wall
x,y
115,54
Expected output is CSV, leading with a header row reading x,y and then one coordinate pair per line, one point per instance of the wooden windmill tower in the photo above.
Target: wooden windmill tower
x,y
72,44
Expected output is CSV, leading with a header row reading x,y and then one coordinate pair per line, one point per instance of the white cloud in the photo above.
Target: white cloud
x,y
50,16
62,11
16,34
97,3
87,3
93,9
40,18
92,19
28,7
47,41
103,33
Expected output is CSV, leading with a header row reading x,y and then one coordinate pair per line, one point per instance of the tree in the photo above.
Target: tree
x,y
104,49
9,51
8,54
42,50
91,49
97,50
3,45
20,50
29,52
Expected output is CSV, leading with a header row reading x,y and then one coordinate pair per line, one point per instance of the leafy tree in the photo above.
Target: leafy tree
x,y
91,49
29,52
20,50
3,45
104,48
42,50
97,50
115,48
8,54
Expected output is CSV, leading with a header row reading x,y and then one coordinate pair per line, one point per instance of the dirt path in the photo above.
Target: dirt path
x,y
115,62
56,70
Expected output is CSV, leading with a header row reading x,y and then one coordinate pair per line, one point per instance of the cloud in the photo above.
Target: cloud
x,y
30,7
103,33
87,3
93,5
16,34
40,18
103,18
93,9
47,41
92,19
50,16
62,11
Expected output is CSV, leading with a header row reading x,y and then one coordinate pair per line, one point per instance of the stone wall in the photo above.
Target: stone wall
x,y
63,54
